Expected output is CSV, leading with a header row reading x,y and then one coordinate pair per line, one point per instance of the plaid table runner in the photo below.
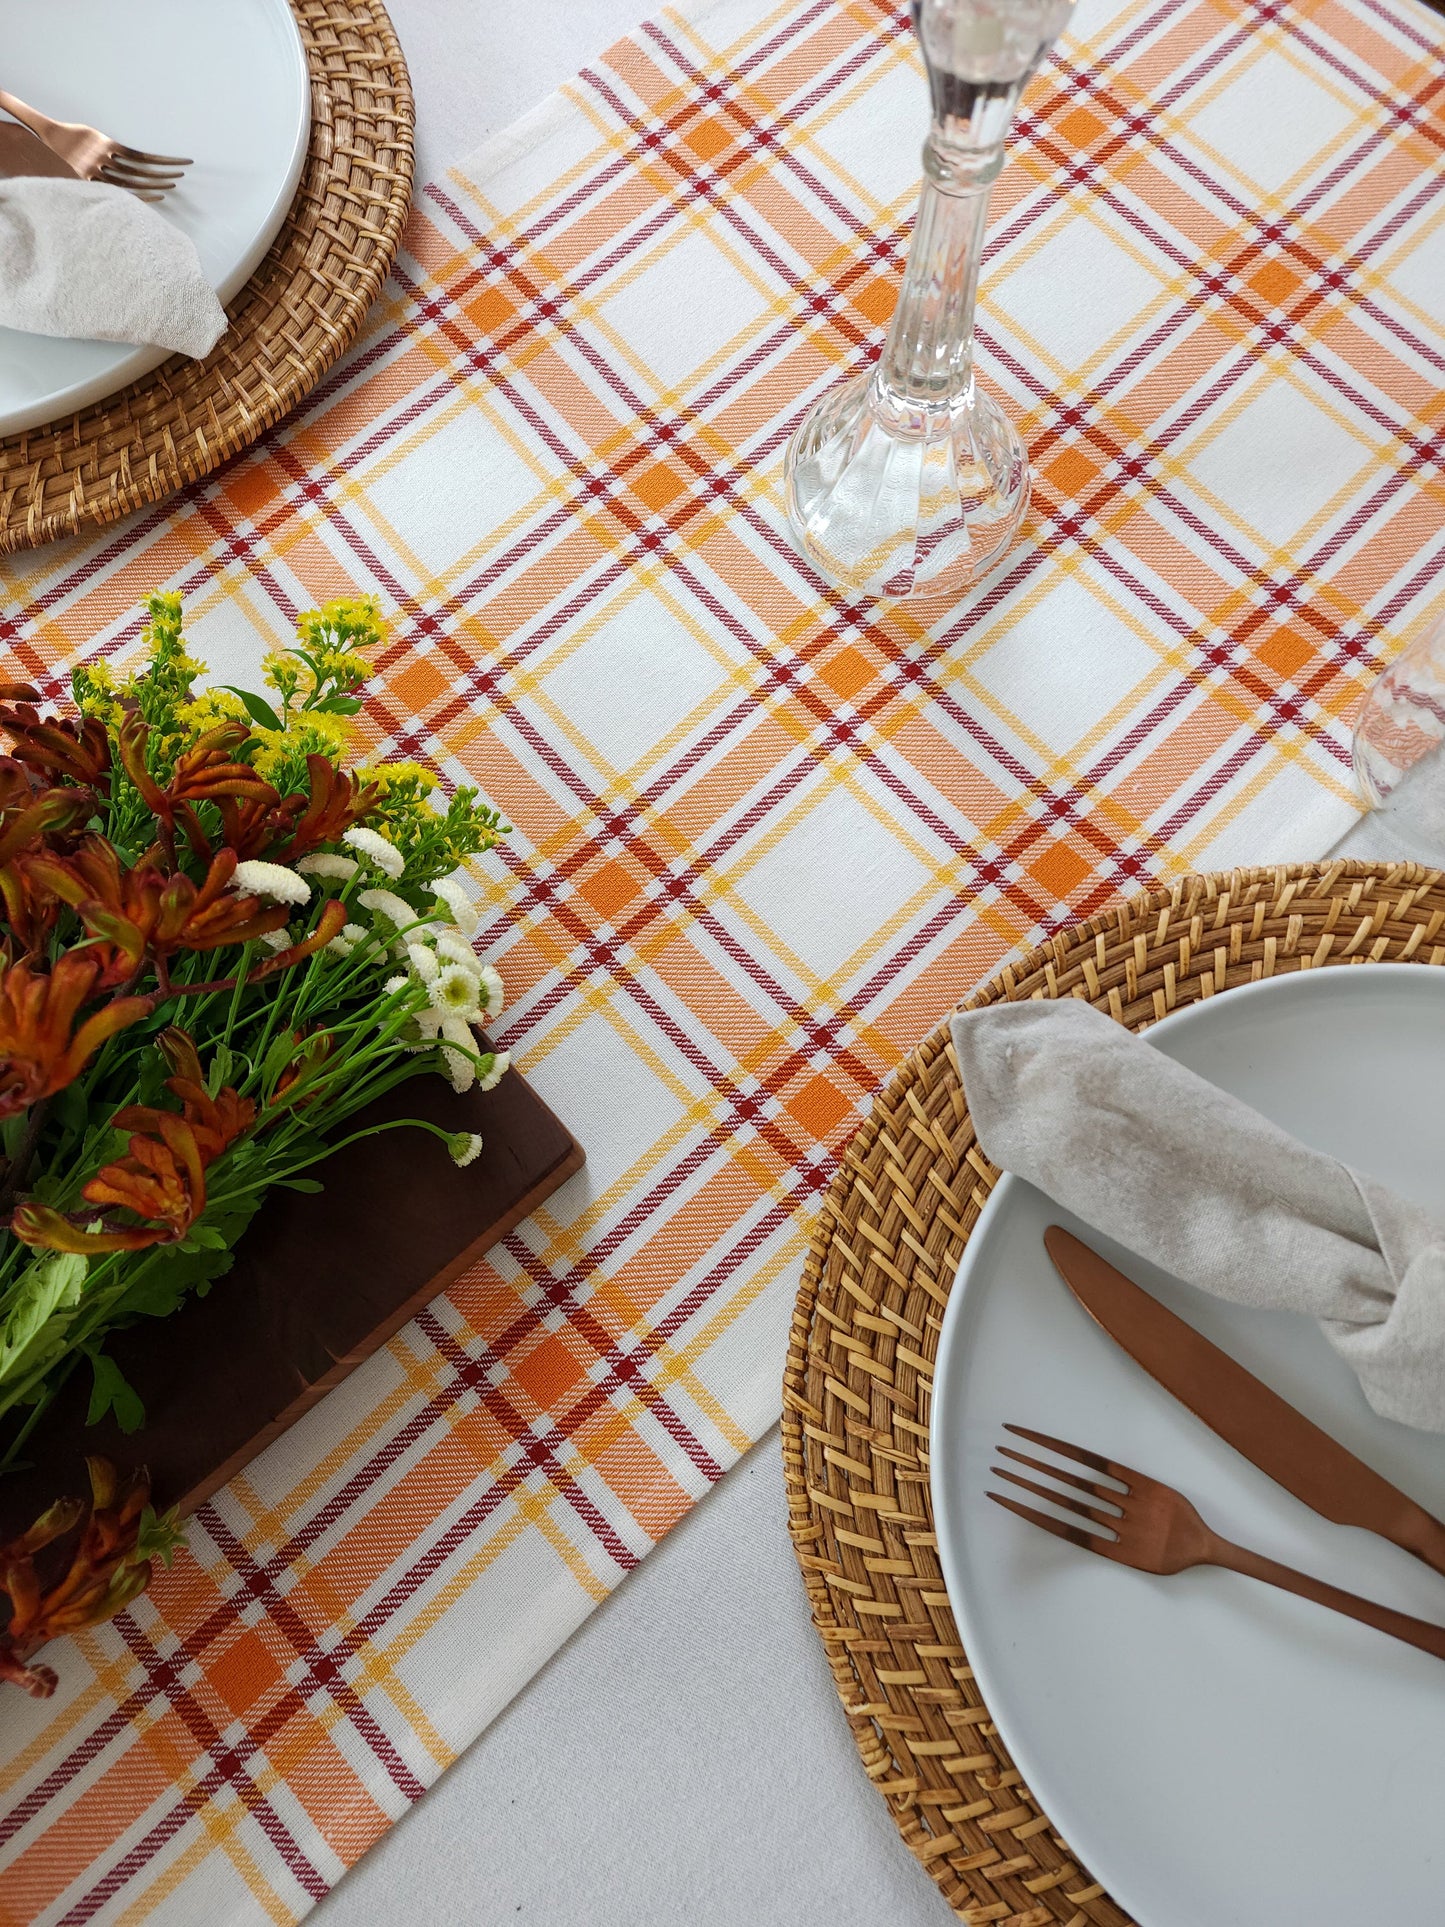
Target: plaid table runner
x,y
766,836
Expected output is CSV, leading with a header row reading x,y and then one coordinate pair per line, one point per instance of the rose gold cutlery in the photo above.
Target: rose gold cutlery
x,y
96,157
22,153
1142,1523
1241,1409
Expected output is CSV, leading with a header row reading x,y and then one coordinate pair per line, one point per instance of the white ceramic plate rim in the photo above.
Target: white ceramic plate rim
x,y
1054,1795
61,402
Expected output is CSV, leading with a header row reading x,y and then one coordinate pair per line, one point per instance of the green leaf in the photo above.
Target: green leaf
x,y
203,1237
339,705
112,1392
219,1071
72,1110
282,1050
300,1184
175,1272
43,1302
257,709
160,1535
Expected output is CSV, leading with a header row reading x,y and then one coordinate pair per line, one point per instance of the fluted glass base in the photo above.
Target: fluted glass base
x,y
892,500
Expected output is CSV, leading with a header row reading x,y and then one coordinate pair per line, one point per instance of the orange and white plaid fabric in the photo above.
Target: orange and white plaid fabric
x,y
766,836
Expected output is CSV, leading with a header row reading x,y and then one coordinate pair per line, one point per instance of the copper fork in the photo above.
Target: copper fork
x,y
1142,1523
95,156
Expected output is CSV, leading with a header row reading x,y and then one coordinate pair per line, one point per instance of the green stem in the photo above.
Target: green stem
x,y
330,1150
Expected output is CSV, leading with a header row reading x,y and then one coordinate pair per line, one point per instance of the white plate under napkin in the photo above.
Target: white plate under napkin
x,y
1219,1754
224,81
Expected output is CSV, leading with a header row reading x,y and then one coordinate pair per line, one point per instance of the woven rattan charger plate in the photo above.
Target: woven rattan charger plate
x,y
865,1332
297,314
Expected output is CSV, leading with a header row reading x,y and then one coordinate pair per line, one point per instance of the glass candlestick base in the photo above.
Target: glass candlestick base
x,y
899,500
1399,748
907,481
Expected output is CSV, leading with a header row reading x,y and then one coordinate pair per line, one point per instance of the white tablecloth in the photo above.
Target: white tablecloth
x,y
684,1758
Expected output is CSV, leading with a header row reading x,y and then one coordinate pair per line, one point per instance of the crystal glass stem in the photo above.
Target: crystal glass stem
x,y
927,359
908,481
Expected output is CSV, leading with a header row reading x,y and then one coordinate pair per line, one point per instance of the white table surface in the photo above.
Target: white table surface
x,y
684,1758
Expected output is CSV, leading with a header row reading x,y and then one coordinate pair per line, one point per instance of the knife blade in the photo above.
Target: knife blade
x,y
22,152
1245,1413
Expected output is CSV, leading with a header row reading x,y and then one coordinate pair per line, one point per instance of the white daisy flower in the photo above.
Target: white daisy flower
x,y
376,849
501,1064
456,949
492,988
274,880
464,1146
326,863
277,939
428,1023
463,911
455,992
351,935
394,984
459,1052
461,1071
388,904
423,962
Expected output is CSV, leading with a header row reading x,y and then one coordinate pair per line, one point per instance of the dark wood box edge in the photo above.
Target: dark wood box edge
x,y
547,1182
320,1282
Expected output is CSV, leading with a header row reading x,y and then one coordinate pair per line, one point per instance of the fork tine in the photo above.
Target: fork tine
x,y
1076,1536
1108,1467
125,175
1109,1494
146,193
158,160
144,189
1076,1507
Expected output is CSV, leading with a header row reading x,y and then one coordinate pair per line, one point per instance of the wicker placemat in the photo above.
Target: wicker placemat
x,y
299,311
865,1332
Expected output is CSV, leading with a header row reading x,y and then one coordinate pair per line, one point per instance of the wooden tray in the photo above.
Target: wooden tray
x,y
321,1280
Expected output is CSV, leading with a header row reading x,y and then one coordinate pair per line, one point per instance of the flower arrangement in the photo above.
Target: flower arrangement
x,y
218,942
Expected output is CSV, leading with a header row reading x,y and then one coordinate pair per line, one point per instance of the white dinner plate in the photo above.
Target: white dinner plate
x,y
224,81
1218,1753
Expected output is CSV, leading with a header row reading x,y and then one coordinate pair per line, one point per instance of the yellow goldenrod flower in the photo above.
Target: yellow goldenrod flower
x,y
388,778
211,707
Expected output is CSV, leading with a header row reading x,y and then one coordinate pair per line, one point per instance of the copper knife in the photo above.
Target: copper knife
x,y
1241,1408
22,153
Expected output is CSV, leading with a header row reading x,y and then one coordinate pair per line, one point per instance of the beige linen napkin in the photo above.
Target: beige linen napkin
x,y
83,260
1205,1187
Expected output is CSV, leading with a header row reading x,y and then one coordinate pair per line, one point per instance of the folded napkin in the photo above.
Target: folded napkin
x,y
1208,1189
84,260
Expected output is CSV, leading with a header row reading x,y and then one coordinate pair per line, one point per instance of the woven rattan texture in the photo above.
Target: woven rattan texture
x,y
865,1333
300,310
